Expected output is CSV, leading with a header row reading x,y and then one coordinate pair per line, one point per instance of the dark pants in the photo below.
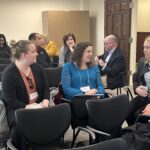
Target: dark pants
x,y
137,105
17,140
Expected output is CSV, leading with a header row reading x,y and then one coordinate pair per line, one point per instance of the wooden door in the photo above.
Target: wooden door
x,y
118,22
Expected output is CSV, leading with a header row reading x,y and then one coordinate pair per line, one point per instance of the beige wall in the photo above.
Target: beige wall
x,y
134,36
97,24
21,17
143,15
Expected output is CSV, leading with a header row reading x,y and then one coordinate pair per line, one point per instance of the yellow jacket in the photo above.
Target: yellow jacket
x,y
52,49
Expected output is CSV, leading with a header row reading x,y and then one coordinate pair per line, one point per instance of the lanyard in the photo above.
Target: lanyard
x,y
88,79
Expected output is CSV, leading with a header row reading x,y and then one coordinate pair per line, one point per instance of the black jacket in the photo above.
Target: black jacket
x,y
115,69
138,77
14,89
43,58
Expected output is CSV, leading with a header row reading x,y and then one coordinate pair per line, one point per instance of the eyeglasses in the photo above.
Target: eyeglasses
x,y
107,43
31,85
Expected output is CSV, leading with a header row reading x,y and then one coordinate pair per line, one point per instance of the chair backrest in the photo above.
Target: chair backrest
x,y
43,127
2,67
5,61
0,78
114,144
53,76
108,114
5,54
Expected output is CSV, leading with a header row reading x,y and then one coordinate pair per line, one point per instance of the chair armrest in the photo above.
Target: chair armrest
x,y
10,145
109,92
53,91
65,100
91,133
97,131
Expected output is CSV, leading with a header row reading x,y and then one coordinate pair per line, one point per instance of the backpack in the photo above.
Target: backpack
x,y
4,129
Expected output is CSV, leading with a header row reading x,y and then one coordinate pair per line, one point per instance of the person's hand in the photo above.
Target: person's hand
x,y
141,91
96,59
101,62
146,111
45,103
31,106
71,46
91,92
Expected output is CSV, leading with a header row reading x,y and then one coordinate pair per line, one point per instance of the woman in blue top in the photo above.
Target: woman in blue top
x,y
81,76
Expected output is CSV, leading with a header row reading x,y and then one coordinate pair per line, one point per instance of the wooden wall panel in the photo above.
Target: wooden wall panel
x,y
58,23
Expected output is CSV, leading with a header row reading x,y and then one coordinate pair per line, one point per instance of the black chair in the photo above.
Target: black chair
x,y
126,87
5,61
79,114
0,76
53,76
106,116
55,61
2,67
122,78
43,128
5,54
114,144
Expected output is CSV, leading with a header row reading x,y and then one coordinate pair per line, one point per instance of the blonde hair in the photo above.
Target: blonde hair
x,y
20,47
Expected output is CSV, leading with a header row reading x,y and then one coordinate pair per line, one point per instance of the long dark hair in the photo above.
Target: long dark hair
x,y
3,36
66,36
78,53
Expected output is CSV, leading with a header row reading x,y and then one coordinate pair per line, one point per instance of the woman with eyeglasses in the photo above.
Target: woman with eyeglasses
x,y
24,85
5,51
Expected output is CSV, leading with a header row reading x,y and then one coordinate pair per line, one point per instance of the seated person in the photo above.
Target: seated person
x,y
5,51
42,58
51,48
81,76
66,51
112,63
141,85
24,85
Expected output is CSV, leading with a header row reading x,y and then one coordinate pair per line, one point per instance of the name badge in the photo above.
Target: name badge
x,y
33,95
85,88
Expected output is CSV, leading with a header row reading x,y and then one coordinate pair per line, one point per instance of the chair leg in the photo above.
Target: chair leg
x,y
120,90
90,140
117,91
73,134
74,139
129,93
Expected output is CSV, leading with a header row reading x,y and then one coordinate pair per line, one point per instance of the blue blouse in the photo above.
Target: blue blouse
x,y
73,79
